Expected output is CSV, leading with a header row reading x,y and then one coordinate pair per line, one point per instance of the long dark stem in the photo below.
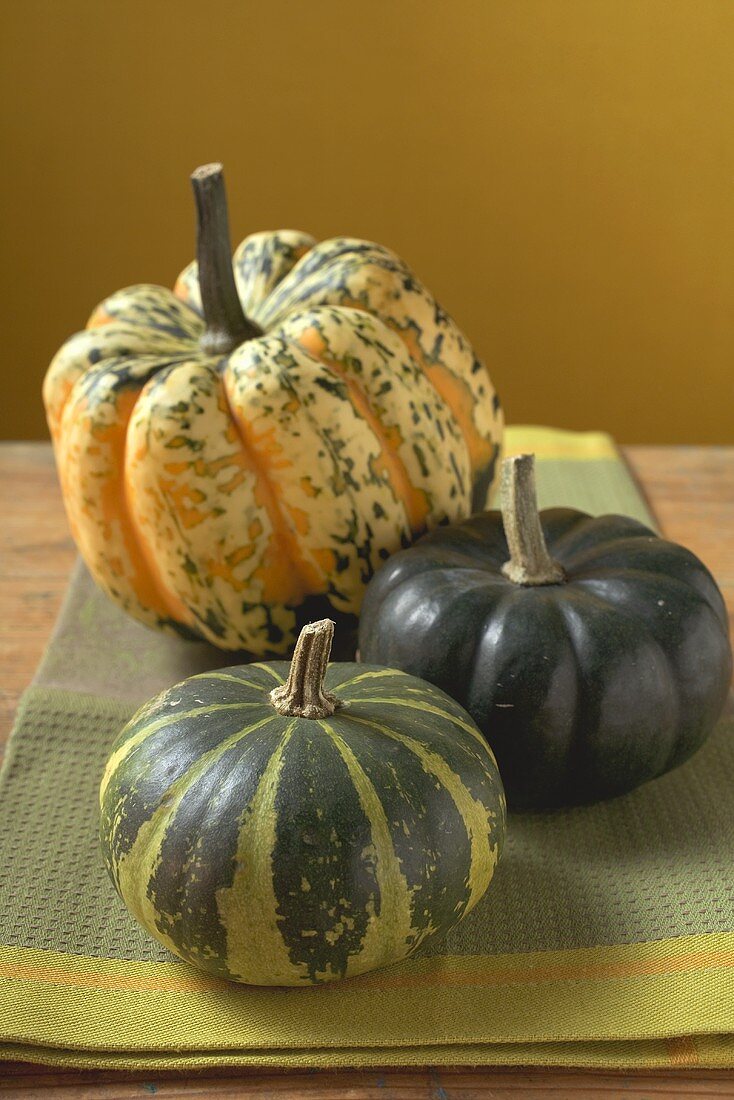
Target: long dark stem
x,y
530,563
226,324
303,695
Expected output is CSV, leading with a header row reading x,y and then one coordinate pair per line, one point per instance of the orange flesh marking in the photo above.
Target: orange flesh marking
x,y
326,559
226,569
100,317
146,580
457,396
388,462
55,413
285,575
184,500
182,497
454,392
181,291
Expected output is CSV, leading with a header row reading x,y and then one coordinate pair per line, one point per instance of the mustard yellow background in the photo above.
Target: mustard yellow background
x,y
560,172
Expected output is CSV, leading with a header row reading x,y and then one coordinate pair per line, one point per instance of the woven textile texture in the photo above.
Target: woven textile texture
x,y
606,938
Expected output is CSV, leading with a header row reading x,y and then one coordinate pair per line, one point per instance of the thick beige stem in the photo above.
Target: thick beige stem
x,y
530,563
303,696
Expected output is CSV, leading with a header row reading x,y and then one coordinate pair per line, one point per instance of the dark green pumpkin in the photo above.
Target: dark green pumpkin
x,y
298,847
586,682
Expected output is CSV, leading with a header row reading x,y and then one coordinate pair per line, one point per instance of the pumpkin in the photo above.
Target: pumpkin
x,y
289,825
592,654
245,451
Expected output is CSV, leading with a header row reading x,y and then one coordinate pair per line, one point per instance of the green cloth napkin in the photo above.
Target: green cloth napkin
x,y
606,938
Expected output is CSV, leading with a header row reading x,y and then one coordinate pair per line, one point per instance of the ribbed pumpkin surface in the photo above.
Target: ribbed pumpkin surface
x,y
585,688
217,494
281,850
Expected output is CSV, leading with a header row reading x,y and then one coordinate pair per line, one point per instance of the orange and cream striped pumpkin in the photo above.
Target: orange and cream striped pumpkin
x,y
244,451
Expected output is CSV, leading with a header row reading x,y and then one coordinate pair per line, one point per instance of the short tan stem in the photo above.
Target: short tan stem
x,y
529,563
304,696
226,324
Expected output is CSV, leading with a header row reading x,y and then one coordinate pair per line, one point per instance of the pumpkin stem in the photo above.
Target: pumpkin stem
x,y
530,563
303,696
226,324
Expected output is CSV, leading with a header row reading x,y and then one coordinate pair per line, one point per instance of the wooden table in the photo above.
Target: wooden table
x,y
691,490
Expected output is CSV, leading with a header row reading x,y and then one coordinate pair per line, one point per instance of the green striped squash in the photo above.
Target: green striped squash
x,y
283,824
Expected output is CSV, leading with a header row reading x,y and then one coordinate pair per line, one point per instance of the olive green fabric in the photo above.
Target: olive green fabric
x,y
606,938
651,865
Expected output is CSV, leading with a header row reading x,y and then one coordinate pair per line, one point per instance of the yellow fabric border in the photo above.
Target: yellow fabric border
x,y
585,996
704,1052
555,443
